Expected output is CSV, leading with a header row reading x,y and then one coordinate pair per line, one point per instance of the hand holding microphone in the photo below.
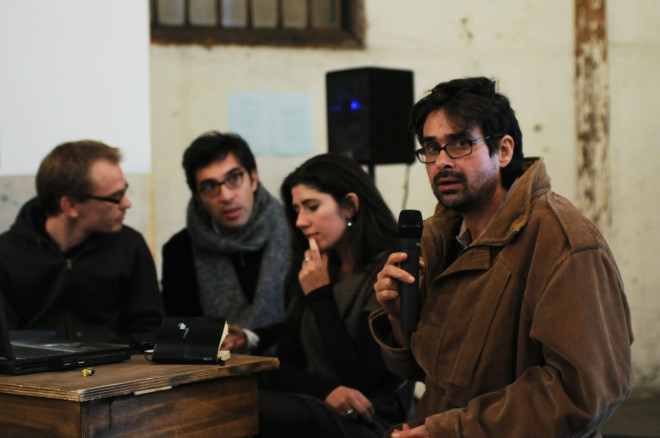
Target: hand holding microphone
x,y
397,285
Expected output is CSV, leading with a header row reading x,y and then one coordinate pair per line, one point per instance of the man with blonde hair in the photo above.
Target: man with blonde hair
x,y
68,264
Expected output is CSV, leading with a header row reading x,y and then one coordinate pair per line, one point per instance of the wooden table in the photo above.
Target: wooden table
x,y
135,398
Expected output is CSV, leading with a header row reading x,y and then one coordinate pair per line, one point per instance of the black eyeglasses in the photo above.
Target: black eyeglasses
x,y
459,148
115,199
210,188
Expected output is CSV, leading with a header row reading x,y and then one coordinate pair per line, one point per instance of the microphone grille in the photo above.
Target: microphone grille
x,y
410,223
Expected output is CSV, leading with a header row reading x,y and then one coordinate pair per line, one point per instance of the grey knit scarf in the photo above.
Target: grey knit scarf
x,y
219,289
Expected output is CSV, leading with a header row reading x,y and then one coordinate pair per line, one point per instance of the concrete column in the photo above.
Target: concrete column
x,y
592,112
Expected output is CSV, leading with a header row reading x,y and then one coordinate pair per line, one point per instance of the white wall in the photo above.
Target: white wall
x,y
635,168
73,69
438,40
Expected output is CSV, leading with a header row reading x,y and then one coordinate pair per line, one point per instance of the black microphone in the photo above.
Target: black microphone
x,y
410,232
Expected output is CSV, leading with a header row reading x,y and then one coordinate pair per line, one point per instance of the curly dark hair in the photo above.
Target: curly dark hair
x,y
215,146
474,102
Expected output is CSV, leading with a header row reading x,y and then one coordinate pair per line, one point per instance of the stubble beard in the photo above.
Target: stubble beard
x,y
468,197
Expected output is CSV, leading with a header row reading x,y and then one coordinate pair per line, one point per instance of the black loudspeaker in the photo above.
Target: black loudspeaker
x,y
368,110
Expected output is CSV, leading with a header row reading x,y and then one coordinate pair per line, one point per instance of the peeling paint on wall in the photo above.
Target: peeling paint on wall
x,y
592,112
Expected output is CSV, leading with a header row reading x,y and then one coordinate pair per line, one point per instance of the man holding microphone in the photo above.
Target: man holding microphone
x,y
524,326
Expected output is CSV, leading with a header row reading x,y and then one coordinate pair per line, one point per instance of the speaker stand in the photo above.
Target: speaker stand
x,y
372,171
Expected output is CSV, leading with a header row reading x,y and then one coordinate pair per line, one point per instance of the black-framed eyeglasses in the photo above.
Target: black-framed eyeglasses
x,y
210,188
458,148
115,199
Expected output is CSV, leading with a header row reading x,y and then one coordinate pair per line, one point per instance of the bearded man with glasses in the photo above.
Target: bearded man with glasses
x,y
231,258
68,264
524,328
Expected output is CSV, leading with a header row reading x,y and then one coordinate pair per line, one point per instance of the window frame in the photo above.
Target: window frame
x,y
348,35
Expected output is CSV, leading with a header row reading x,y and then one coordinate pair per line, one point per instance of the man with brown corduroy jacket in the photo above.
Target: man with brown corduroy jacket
x,y
524,328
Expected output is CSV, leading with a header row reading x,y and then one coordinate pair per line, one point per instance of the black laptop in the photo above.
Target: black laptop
x,y
34,355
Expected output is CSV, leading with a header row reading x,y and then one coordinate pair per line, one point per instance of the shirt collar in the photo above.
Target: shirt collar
x,y
464,237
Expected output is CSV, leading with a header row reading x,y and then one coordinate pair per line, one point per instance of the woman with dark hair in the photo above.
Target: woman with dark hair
x,y
332,381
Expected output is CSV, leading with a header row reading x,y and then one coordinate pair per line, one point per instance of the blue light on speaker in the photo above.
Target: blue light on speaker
x,y
346,106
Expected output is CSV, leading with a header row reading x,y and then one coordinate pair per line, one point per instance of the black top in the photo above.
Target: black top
x,y
105,289
351,357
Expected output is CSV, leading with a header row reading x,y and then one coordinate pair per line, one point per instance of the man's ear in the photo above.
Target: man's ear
x,y
351,204
506,150
69,206
254,180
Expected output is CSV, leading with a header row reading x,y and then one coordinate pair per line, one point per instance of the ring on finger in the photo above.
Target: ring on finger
x,y
306,259
350,412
